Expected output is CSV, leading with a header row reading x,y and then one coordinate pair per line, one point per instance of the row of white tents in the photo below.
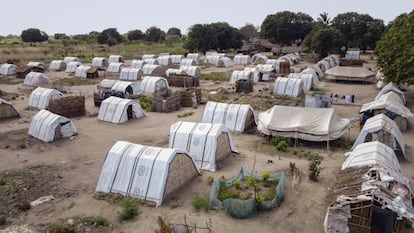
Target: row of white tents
x,y
380,194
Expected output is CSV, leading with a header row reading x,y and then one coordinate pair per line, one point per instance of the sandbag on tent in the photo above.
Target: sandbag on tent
x,y
311,124
8,69
131,74
72,66
39,98
100,62
48,127
391,87
115,67
137,64
129,89
206,143
7,110
153,84
241,59
117,110
383,129
36,79
115,59
57,65
144,172
308,81
289,87
241,75
236,117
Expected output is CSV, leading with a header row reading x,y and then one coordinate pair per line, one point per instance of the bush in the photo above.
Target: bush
x,y
199,202
146,103
237,184
60,228
282,146
100,221
266,175
251,182
129,210
314,169
210,180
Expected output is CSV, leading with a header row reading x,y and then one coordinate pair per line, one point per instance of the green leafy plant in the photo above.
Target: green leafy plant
x,y
237,184
210,180
185,114
199,202
61,228
100,221
129,210
251,182
266,175
282,146
146,103
314,169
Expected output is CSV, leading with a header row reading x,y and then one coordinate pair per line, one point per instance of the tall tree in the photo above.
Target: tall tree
x,y
174,31
135,35
110,37
324,18
286,27
249,31
395,50
154,34
323,40
33,35
360,30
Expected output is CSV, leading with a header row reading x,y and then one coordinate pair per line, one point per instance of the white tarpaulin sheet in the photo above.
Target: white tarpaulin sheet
x,y
138,171
35,79
308,81
381,122
152,84
44,125
200,140
128,88
115,67
82,71
233,116
312,124
241,75
131,74
114,109
391,87
289,87
39,98
390,101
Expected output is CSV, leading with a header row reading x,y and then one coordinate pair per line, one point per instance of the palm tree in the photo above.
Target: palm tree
x,y
324,18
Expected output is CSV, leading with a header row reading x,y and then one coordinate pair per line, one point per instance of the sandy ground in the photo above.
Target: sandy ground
x,y
80,161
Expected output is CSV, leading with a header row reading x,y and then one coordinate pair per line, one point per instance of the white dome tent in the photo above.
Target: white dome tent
x,y
100,62
289,87
256,73
67,60
137,64
48,127
240,59
153,84
57,65
129,89
39,98
194,56
144,172
115,59
72,66
152,61
36,79
131,74
308,81
8,69
188,62
163,60
115,67
118,110
240,75
176,59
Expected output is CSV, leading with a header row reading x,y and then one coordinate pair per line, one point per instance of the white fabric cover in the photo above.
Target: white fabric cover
x,y
352,55
72,66
241,59
200,141
137,64
256,73
115,59
233,116
115,67
67,60
8,69
390,101
138,171
318,71
81,71
131,74
114,109
192,71
194,56
241,75
324,65
164,60
311,124
223,62
308,81
57,65
39,98
149,68
121,86
148,56
152,84
100,62
188,62
214,58
350,73
36,64
391,87
44,125
152,61
377,123
275,63
176,59
373,153
289,87
311,71
107,83
35,79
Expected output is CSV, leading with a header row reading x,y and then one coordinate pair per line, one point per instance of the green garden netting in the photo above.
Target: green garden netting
x,y
241,209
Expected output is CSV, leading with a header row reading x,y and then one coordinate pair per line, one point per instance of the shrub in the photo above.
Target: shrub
x,y
251,182
60,228
210,180
237,184
146,103
100,221
129,210
282,146
185,114
314,169
199,202
266,175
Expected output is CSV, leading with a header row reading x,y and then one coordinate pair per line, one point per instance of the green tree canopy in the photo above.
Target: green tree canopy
x,y
154,34
286,27
359,30
324,18
110,37
33,35
135,35
395,50
248,32
218,36
174,32
323,40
